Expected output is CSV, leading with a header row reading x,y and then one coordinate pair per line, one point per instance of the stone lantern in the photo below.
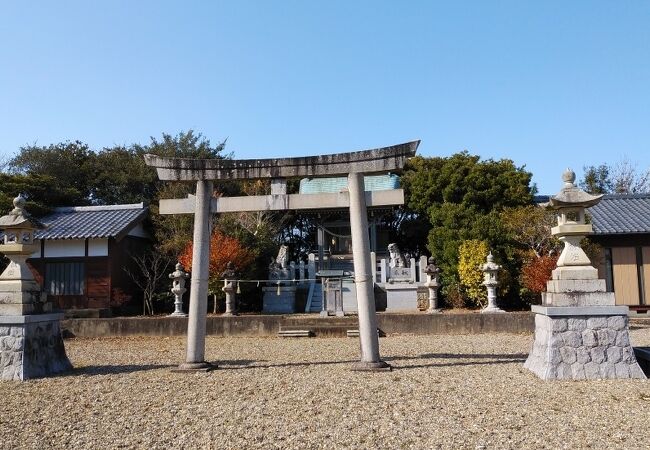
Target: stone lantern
x,y
571,228
580,332
19,292
432,284
229,275
490,281
31,345
178,278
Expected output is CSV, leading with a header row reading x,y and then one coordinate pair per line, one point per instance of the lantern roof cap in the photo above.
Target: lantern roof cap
x,y
490,264
571,195
19,217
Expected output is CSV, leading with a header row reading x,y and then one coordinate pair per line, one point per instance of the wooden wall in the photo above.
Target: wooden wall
x,y
626,284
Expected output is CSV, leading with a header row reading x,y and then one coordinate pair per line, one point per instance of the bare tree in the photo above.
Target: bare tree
x,y
627,179
530,226
152,267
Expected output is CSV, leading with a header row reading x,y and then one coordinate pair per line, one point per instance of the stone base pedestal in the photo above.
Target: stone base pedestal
x,y
285,303
379,366
401,297
576,343
195,367
31,346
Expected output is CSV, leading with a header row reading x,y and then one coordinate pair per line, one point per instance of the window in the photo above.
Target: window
x,y
64,278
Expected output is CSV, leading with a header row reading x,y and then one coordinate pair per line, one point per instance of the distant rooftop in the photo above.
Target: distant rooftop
x,y
81,222
621,214
338,184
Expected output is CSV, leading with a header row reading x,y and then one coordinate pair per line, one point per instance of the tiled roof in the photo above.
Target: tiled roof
x,y
621,214
83,222
338,184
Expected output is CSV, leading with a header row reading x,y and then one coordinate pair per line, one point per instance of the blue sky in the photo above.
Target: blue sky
x,y
549,84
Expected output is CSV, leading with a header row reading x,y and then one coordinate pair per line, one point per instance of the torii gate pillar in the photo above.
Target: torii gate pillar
x,y
363,277
200,274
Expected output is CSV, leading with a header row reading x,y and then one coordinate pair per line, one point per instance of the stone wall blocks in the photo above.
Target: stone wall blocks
x,y
5,331
636,372
596,323
628,355
606,337
9,342
607,370
568,354
622,370
582,355
19,343
578,371
8,372
554,356
597,354
572,338
5,360
592,371
622,339
614,354
564,371
576,324
617,323
556,341
17,332
589,338
559,325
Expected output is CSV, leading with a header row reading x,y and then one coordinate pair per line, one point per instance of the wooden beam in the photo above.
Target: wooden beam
x,y
282,202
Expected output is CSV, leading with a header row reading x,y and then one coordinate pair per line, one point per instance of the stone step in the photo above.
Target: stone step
x,y
355,333
326,330
295,333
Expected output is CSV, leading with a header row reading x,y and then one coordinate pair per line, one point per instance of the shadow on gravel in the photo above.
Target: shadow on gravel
x,y
112,370
506,358
291,364
238,363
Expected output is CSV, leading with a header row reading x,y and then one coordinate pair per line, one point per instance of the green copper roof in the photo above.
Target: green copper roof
x,y
329,185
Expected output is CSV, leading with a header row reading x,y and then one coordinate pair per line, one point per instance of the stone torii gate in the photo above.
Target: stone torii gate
x,y
353,164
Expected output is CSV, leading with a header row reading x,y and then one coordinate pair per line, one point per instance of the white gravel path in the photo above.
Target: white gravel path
x,y
445,392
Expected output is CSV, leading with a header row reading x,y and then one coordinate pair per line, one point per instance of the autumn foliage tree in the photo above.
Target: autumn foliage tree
x,y
471,255
536,272
223,249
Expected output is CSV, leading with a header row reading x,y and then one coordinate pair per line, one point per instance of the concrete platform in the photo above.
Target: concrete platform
x,y
270,325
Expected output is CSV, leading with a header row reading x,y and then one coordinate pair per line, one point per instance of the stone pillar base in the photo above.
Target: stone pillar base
x,y
577,343
31,346
363,366
195,367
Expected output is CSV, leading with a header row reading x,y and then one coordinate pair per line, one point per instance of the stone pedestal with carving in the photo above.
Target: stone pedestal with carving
x,y
401,297
401,288
580,333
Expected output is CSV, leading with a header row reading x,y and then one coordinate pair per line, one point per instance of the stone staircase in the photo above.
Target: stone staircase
x,y
315,295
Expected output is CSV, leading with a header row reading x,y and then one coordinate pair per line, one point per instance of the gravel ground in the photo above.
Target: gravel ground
x,y
444,392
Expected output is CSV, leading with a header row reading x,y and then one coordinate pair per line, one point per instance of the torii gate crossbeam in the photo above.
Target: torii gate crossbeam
x,y
352,164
